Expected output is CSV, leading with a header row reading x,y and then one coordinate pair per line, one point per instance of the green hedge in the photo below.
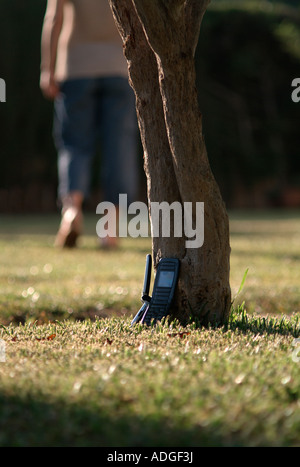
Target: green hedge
x,y
246,61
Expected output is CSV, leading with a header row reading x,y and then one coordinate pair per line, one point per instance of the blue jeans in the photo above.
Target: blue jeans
x,y
88,110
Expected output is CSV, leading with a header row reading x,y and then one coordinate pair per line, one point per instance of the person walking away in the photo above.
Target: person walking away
x,y
84,71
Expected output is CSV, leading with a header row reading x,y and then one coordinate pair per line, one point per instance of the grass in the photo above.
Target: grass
x,y
267,244
68,380
104,384
41,283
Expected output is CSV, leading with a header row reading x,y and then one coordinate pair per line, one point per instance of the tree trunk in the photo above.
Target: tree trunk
x,y
160,38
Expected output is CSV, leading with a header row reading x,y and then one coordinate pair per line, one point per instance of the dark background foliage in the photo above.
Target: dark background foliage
x,y
248,55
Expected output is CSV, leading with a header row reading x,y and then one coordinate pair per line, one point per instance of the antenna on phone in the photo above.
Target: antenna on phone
x,y
147,279
146,299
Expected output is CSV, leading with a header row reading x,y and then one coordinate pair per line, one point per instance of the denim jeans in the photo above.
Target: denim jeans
x,y
87,111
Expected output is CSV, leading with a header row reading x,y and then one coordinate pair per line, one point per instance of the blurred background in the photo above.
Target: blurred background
x,y
248,55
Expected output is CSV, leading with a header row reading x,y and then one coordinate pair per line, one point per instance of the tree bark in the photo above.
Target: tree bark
x,y
160,39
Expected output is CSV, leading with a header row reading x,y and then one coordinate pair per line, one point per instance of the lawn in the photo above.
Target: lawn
x,y
75,374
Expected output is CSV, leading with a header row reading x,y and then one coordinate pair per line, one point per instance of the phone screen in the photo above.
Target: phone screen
x,y
165,279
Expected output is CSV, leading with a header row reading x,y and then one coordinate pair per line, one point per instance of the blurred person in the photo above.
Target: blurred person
x,y
84,71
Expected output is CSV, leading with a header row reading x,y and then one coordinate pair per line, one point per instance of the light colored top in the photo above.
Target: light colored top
x,y
89,44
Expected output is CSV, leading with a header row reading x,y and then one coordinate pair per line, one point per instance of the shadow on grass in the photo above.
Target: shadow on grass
x,y
239,320
30,422
45,316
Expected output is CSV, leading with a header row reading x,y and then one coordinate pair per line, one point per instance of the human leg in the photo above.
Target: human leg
x,y
118,123
71,221
119,172
74,134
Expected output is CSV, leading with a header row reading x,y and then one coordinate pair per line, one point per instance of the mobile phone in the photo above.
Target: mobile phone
x,y
145,294
157,306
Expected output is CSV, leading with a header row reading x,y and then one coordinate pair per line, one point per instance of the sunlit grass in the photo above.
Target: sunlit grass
x,y
268,244
39,282
66,380
103,383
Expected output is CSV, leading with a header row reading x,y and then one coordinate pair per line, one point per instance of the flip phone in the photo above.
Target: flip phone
x,y
156,307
